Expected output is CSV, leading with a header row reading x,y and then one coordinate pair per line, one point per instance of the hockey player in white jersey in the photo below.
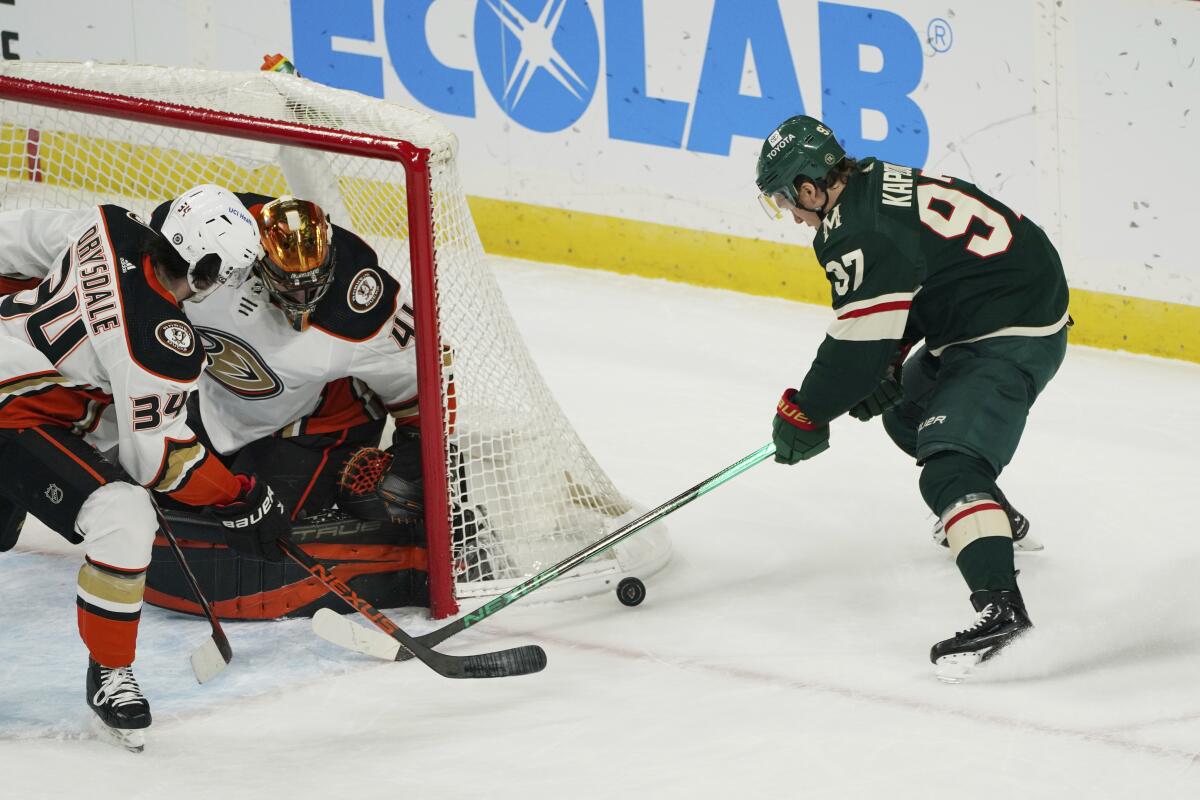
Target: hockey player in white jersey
x,y
104,330
306,361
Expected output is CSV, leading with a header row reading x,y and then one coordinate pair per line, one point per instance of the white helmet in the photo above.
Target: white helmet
x,y
215,234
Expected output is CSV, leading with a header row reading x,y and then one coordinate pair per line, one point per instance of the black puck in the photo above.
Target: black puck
x,y
631,591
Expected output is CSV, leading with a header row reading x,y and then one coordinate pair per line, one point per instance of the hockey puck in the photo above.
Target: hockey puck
x,y
631,591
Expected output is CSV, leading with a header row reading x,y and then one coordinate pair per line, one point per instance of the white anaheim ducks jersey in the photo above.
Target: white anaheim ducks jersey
x,y
100,330
264,378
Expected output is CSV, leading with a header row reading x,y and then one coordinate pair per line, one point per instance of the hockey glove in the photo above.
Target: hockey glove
x,y
796,437
370,488
886,395
255,521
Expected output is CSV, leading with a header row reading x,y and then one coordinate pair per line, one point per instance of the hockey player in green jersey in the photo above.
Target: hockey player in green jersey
x,y
915,256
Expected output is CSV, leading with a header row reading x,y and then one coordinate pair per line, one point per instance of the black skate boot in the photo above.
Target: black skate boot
x,y
121,708
1001,619
1018,521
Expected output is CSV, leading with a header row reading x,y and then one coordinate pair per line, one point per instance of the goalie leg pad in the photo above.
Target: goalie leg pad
x,y
383,562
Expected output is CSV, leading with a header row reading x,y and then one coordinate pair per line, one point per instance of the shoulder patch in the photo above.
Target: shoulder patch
x,y
157,333
363,297
365,290
175,335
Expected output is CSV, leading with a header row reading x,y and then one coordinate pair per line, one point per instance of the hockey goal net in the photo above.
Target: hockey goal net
x,y
510,488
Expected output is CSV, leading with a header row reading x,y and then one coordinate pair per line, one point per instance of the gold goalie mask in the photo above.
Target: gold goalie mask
x,y
298,266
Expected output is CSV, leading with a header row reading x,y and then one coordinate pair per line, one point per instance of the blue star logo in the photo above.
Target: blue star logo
x,y
540,59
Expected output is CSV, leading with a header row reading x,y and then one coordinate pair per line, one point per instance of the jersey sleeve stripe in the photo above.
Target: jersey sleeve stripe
x,y
872,320
859,306
179,460
405,409
895,305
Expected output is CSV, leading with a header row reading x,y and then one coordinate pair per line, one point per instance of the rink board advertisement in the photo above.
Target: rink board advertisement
x,y
623,134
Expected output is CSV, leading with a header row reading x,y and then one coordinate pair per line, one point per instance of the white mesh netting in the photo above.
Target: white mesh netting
x,y
525,492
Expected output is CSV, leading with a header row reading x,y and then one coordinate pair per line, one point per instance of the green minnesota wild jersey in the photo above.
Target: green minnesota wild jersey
x,y
912,255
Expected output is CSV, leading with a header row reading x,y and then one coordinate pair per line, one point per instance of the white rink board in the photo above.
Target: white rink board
x,y
1077,113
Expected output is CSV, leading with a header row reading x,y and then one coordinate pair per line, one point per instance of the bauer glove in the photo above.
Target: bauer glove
x,y
255,521
796,437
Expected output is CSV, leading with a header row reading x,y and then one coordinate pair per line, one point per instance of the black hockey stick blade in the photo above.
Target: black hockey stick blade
x,y
353,636
522,660
333,627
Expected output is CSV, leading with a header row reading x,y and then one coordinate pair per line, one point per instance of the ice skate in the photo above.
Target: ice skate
x,y
1001,619
122,713
1022,541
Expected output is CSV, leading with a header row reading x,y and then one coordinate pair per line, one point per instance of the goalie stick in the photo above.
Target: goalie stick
x,y
349,634
500,664
212,656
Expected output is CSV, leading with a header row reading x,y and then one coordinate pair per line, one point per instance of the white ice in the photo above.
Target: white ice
x,y
782,652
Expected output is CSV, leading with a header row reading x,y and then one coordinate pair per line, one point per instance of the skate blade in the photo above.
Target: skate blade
x,y
956,667
1028,545
1025,545
133,740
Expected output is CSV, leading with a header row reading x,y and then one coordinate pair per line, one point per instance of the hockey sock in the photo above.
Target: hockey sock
x,y
961,489
988,564
109,608
118,524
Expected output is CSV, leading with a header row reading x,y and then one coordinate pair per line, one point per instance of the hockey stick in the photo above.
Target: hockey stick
x,y
349,634
212,656
500,664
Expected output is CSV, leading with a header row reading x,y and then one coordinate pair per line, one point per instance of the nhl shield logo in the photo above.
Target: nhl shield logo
x,y
54,493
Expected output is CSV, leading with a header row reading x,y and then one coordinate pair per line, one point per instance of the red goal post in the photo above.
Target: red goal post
x,y
509,488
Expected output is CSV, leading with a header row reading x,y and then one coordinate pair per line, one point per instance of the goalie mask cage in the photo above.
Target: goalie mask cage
x,y
509,487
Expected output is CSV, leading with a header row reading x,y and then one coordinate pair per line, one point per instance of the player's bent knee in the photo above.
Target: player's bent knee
x,y
118,524
950,475
900,423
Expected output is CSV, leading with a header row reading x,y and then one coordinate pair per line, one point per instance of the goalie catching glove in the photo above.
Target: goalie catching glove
x,y
370,487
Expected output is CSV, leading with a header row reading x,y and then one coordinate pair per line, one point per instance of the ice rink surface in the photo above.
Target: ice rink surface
x,y
782,653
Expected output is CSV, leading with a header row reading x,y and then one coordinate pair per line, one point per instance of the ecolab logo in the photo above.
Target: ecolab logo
x,y
542,63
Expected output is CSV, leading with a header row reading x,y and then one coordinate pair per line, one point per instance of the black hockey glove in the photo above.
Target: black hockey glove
x,y
255,521
796,436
